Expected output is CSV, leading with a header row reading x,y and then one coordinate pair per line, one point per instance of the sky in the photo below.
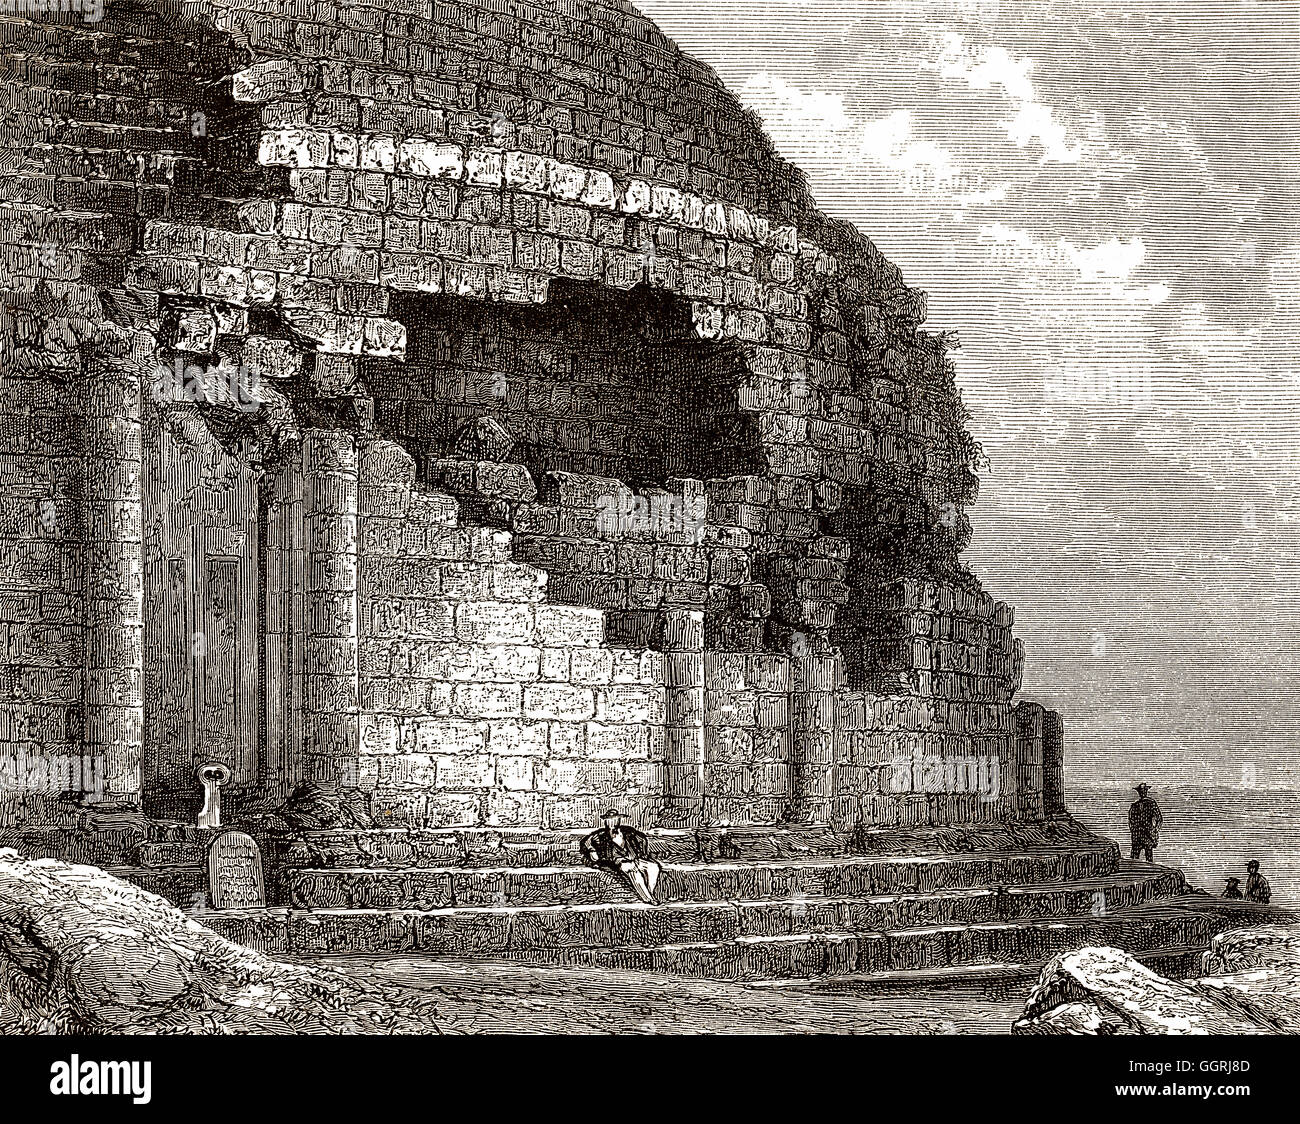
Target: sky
x,y
1102,201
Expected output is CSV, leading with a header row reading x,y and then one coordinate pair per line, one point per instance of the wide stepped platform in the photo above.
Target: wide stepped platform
x,y
758,905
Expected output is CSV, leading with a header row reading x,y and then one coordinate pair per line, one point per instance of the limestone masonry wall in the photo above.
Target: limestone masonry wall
x,y
463,405
613,388
480,702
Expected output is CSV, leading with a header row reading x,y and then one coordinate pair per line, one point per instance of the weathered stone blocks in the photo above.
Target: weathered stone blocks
x,y
402,169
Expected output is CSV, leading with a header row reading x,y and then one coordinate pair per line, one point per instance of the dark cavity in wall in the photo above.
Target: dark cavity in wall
x,y
594,381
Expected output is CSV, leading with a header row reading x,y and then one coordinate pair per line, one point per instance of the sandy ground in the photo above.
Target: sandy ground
x,y
496,997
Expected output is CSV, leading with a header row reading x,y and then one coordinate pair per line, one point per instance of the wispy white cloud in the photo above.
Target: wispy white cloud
x,y
830,134
997,70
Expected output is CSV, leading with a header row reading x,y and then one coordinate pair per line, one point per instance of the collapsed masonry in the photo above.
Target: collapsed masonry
x,y
462,405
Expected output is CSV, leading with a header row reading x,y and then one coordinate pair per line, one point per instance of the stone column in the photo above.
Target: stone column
x,y
284,616
1053,764
1029,761
330,723
814,680
114,589
684,717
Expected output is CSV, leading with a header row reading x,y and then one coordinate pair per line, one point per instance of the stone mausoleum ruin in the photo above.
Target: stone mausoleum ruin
x,y
460,409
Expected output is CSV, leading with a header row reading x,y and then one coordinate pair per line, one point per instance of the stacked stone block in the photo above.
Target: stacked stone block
x,y
332,641
948,641
642,554
747,738
591,382
663,199
113,563
815,680
483,703
933,739
543,215
1030,721
685,676
907,761
94,130
42,610
1053,765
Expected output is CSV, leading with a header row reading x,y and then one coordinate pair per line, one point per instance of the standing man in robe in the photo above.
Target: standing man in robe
x,y
1144,822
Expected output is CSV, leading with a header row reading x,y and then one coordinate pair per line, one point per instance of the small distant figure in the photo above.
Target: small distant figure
x,y
1144,822
626,851
1257,887
1234,889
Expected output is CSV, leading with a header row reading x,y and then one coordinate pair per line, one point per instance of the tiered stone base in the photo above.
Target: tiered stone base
x,y
756,905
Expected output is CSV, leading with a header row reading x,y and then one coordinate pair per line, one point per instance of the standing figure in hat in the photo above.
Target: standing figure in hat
x,y
626,851
1144,821
1234,889
1257,887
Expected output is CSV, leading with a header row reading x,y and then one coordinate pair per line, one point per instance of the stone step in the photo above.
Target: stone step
x,y
429,580
104,155
960,838
162,855
432,541
435,510
492,930
425,888
241,214
183,886
92,231
701,940
1178,961
1084,857
814,955
170,845
111,839
811,880
233,180
524,847
124,198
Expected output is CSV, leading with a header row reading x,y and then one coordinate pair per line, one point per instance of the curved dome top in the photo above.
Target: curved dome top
x,y
591,83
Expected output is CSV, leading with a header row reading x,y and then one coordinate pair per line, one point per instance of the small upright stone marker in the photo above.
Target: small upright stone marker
x,y
211,776
235,872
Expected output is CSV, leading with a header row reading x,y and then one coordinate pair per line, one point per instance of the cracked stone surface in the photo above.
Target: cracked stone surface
x,y
82,952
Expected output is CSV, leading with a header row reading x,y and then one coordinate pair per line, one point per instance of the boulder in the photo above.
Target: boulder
x,y
82,952
1265,946
1108,992
1257,970
1270,997
1255,989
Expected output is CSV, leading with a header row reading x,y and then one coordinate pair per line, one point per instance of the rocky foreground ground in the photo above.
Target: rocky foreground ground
x,y
82,952
1251,985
